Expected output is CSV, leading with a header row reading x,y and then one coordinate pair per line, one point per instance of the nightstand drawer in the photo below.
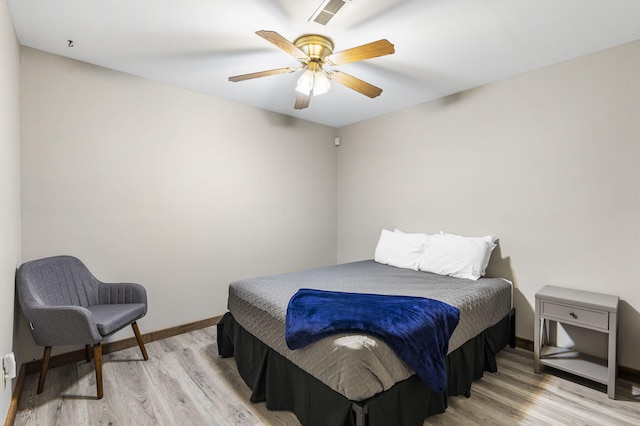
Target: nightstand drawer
x,y
570,314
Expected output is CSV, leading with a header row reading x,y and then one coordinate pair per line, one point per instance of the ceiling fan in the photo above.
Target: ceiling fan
x,y
313,52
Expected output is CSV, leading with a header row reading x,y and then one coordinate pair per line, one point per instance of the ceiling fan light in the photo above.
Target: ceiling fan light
x,y
305,83
321,83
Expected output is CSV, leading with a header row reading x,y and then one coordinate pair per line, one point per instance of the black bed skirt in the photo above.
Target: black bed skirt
x,y
285,386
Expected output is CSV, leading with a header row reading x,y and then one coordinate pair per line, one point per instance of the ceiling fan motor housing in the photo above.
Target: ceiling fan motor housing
x,y
315,46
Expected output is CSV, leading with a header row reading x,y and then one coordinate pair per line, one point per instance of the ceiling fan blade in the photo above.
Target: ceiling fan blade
x,y
284,44
359,53
302,101
355,84
259,74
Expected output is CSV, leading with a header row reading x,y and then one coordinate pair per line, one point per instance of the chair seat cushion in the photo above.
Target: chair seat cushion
x,y
111,318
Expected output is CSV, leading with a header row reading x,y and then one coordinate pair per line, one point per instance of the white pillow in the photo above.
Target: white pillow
x,y
400,250
457,256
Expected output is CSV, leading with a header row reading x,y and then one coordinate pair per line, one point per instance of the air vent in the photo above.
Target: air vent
x,y
327,10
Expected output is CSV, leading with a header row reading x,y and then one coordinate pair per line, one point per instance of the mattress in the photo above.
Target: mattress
x,y
355,365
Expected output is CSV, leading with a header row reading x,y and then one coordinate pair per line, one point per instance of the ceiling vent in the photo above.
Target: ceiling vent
x,y
327,10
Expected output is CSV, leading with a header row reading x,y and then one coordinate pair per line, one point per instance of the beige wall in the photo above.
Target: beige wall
x,y
548,161
176,190
9,186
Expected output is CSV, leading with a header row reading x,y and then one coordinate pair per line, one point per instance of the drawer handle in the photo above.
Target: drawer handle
x,y
573,315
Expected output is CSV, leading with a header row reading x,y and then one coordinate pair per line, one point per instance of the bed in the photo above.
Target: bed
x,y
356,379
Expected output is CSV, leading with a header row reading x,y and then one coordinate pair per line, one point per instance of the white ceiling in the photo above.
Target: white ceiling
x,y
442,46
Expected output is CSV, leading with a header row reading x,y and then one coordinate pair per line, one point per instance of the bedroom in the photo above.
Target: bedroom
x,y
552,171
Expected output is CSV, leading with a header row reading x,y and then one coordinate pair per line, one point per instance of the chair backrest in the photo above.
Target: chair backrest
x,y
56,281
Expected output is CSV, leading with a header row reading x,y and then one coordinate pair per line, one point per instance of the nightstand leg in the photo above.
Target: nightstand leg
x,y
536,339
612,361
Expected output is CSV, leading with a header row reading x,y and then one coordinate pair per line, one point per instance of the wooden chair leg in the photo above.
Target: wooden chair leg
x,y
136,331
97,357
87,352
45,366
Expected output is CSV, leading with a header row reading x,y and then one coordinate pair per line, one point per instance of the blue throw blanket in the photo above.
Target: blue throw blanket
x,y
416,328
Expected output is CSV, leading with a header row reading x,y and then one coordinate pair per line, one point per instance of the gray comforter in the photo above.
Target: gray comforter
x,y
360,366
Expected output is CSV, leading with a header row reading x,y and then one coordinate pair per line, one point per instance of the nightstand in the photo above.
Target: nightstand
x,y
593,311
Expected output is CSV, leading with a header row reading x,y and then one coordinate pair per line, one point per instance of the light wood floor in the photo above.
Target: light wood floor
x,y
186,383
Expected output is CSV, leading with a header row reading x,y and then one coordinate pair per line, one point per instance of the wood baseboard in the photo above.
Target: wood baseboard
x,y
79,355
524,344
32,367
15,397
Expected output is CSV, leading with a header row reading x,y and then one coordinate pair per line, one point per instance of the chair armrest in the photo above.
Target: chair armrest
x,y
110,293
62,325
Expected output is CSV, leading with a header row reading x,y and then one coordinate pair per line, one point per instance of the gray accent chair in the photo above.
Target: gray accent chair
x,y
65,304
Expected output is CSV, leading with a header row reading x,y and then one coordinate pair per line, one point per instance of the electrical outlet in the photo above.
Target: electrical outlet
x,y
8,368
